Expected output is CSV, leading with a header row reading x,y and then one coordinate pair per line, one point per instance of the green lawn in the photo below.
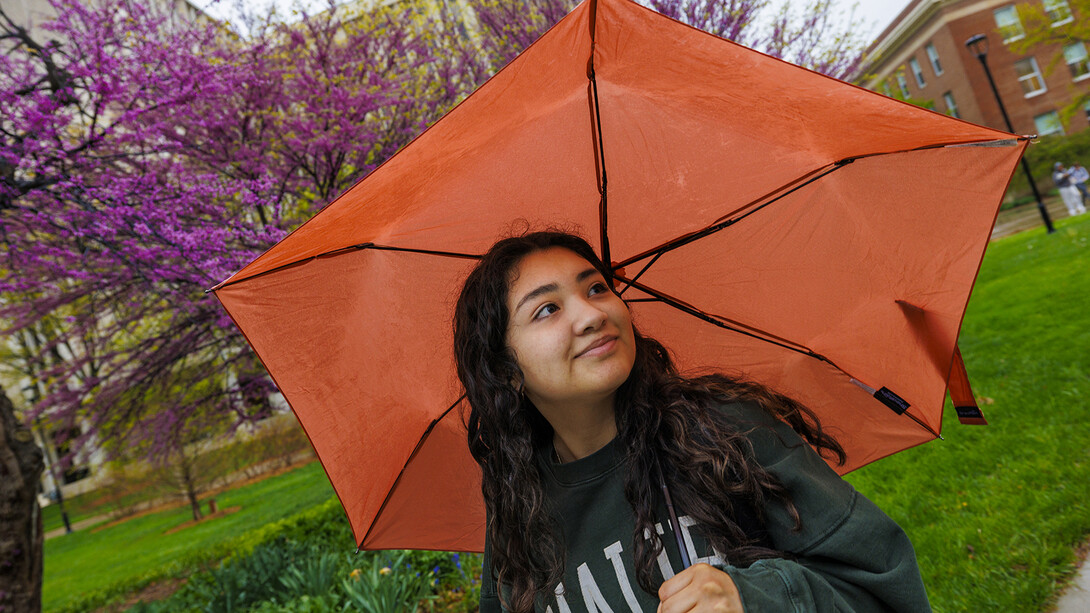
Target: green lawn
x,y
995,512
86,561
79,507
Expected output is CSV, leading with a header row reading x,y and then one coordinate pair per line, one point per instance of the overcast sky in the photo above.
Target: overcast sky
x,y
879,13
876,13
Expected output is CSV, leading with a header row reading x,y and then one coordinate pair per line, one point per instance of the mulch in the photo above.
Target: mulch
x,y
160,590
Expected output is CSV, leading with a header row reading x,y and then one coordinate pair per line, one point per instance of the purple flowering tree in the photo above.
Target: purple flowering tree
x,y
145,155
810,33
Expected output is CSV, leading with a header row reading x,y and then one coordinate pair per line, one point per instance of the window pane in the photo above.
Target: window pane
x,y
917,72
1049,123
933,55
903,84
1029,76
951,106
1076,58
1058,11
1006,20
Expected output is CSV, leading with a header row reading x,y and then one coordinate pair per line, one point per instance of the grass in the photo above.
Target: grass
x,y
996,512
78,507
275,445
86,561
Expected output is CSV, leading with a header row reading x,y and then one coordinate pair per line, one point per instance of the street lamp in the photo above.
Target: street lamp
x,y
978,46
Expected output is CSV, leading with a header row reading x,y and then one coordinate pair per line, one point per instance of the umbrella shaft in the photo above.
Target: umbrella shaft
x,y
685,561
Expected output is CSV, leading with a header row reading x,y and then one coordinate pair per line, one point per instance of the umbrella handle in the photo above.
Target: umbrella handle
x,y
685,561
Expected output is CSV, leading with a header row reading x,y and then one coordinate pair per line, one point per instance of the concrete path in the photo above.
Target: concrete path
x,y
82,524
1027,217
1076,598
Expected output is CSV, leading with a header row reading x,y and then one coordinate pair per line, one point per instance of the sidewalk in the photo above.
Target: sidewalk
x,y
82,524
1076,597
1027,217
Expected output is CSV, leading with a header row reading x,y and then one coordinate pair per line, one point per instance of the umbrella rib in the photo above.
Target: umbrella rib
x,y
419,444
447,254
800,182
728,324
726,220
599,154
760,335
640,274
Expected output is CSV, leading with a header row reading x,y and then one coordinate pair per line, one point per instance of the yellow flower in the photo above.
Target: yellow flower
x,y
385,571
355,574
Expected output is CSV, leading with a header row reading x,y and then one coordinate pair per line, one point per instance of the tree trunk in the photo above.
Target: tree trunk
x,y
189,485
21,466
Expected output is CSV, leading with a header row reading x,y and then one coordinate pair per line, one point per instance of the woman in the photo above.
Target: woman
x,y
577,420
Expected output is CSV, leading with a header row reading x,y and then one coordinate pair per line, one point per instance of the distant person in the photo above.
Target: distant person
x,y
1068,192
1079,176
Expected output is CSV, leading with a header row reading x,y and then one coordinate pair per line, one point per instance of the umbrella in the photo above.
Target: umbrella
x,y
761,219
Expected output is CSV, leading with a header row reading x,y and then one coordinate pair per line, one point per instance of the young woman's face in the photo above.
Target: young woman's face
x,y
571,335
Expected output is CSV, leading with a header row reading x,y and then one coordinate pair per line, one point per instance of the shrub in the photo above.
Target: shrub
x,y
460,590
244,581
1041,155
314,575
386,583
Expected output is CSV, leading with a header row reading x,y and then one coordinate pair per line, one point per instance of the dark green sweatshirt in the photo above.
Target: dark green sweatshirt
x,y
848,556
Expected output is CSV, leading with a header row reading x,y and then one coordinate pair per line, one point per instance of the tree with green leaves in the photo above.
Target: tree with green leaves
x,y
1065,23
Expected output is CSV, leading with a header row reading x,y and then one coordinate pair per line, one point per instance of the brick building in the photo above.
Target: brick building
x,y
922,55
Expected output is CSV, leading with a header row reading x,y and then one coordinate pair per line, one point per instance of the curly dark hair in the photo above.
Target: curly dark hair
x,y
663,420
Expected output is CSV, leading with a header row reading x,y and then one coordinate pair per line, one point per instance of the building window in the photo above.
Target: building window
x,y
933,55
951,106
1029,76
903,84
917,72
1048,123
1076,58
1086,107
1008,24
1058,12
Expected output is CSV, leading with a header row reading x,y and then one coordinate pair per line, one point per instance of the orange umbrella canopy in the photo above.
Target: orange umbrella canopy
x,y
763,219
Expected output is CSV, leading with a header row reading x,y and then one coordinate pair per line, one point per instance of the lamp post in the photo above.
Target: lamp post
x,y
978,46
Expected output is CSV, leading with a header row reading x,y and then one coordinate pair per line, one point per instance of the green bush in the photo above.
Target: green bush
x,y
314,575
286,575
388,584
1041,155
324,525
243,581
460,591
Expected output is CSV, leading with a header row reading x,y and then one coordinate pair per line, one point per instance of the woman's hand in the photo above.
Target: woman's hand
x,y
700,588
